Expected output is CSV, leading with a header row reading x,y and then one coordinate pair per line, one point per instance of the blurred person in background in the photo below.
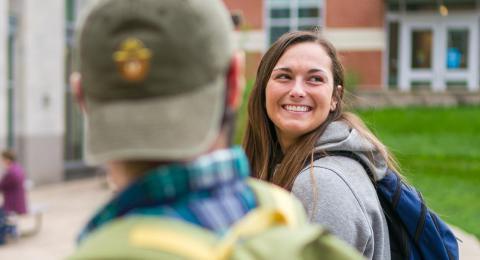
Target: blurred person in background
x,y
13,192
12,185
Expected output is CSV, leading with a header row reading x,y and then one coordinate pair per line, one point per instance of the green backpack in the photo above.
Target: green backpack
x,y
277,229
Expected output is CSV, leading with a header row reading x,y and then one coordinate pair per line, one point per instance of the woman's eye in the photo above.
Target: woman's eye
x,y
317,79
282,76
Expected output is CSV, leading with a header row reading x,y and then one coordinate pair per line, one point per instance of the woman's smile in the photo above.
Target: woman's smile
x,y
297,108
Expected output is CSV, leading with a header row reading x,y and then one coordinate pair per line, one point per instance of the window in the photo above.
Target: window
x,y
393,29
278,13
284,16
422,49
457,49
73,142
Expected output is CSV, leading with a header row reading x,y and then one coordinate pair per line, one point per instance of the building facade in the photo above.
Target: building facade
x,y
384,44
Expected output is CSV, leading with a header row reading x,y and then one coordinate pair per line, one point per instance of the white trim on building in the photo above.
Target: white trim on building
x,y
251,41
3,72
357,39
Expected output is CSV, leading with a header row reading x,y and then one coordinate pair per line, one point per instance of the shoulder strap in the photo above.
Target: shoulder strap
x,y
399,246
272,196
352,156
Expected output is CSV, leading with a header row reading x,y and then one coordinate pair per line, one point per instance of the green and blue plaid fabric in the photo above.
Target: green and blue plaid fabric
x,y
210,191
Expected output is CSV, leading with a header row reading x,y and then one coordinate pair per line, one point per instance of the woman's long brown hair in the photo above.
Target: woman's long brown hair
x,y
260,140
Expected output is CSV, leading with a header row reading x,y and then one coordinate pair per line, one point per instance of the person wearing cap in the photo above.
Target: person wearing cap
x,y
159,82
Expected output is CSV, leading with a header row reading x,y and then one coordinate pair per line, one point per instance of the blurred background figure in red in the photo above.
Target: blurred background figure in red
x,y
11,185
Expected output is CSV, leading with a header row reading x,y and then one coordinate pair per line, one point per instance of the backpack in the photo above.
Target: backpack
x,y
415,231
276,229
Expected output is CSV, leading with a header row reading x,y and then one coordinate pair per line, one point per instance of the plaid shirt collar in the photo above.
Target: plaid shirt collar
x,y
168,183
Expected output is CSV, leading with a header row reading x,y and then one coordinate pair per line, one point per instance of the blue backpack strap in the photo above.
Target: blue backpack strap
x,y
415,232
400,244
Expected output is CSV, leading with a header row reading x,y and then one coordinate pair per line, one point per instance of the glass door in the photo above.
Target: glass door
x,y
437,53
421,57
419,63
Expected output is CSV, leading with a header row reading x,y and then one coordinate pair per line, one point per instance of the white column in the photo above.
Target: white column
x,y
40,91
439,45
474,71
3,72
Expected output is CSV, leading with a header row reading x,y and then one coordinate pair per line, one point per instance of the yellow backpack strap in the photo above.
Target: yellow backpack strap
x,y
147,237
187,241
175,237
272,196
275,207
255,222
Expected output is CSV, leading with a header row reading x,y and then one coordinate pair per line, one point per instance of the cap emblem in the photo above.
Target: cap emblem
x,y
133,60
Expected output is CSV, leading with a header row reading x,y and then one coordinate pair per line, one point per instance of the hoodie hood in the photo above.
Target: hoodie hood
x,y
339,136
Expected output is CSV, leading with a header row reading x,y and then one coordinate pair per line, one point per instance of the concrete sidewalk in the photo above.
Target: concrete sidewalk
x,y
68,206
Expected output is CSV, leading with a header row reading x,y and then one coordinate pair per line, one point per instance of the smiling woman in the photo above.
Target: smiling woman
x,y
295,115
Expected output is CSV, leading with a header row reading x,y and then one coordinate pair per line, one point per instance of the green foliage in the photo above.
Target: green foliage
x,y
352,80
241,122
439,151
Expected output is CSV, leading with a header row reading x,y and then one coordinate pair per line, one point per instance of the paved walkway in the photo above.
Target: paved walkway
x,y
68,205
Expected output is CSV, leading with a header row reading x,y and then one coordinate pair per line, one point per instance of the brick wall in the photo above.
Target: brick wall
x,y
252,62
354,13
251,11
367,65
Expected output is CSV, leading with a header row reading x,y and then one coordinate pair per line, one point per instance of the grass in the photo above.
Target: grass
x,y
439,151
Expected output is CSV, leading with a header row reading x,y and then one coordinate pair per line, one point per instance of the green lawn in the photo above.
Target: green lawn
x,y
439,151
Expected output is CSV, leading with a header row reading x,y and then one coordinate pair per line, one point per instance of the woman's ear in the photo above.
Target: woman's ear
x,y
236,81
337,95
76,85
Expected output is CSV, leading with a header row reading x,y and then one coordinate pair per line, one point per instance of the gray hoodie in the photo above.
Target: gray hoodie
x,y
346,201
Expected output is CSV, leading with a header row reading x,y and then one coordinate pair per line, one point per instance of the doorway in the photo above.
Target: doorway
x,y
438,53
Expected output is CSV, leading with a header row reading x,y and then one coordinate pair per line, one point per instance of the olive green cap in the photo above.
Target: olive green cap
x,y
154,77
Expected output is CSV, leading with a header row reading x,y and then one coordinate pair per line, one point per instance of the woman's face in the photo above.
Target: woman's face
x,y
299,91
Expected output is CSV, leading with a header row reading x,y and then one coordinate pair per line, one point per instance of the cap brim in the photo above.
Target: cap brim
x,y
160,128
